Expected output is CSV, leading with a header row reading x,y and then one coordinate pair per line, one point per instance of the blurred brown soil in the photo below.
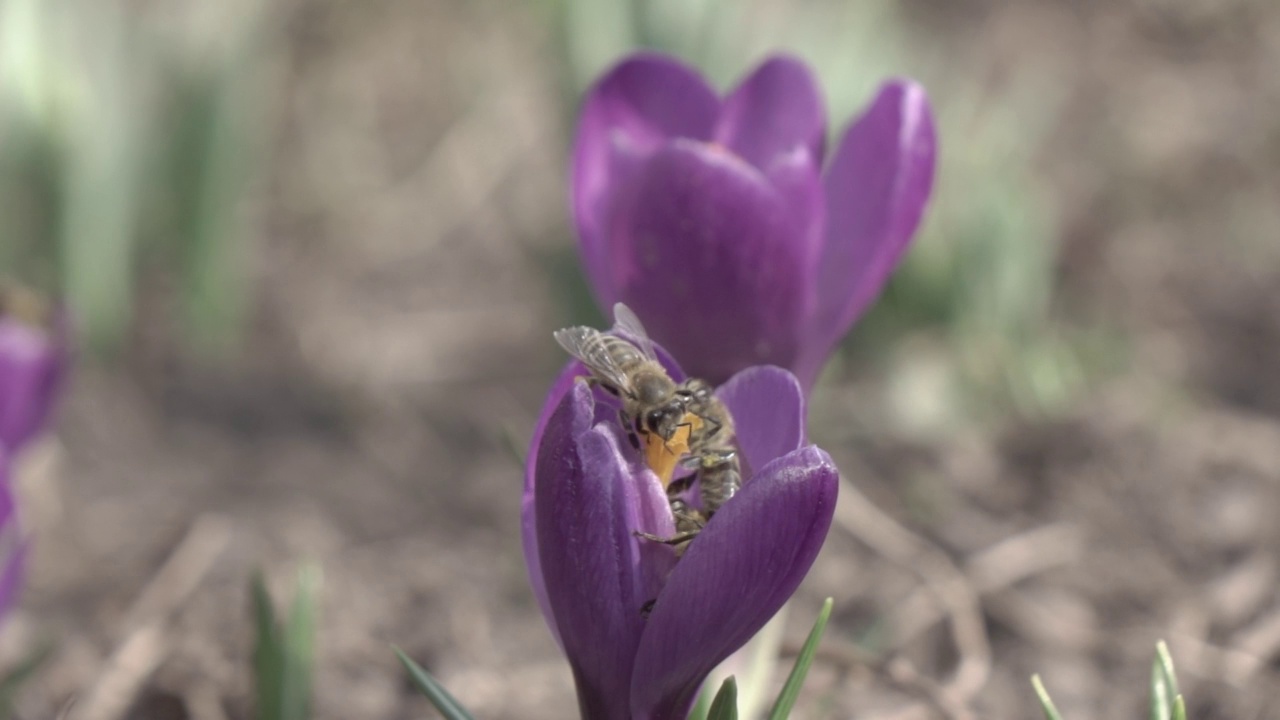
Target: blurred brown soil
x,y
400,336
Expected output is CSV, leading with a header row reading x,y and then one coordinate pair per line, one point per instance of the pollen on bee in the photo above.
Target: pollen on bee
x,y
663,456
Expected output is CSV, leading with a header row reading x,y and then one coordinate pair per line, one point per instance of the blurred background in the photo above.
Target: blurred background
x,y
316,249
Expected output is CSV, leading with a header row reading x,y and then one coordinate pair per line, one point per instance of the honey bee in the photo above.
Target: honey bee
x,y
671,423
715,426
718,475
714,461
712,454
653,405
689,522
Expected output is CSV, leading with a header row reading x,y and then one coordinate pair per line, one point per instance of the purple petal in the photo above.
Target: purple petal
x,y
876,189
795,177
31,368
603,412
734,577
7,504
528,516
774,111
767,405
588,503
638,106
717,260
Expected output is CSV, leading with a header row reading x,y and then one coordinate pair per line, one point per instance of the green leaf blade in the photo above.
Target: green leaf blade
x,y
791,689
299,645
448,706
1046,703
283,652
267,663
725,706
1166,698
701,706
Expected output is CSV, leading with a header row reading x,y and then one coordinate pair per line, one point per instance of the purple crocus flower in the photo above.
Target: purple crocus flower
x,y
32,364
586,494
714,220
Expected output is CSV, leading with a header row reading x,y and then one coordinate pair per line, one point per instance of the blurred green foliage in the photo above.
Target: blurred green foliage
x,y
968,328
15,678
969,325
725,705
430,688
1165,701
284,648
126,145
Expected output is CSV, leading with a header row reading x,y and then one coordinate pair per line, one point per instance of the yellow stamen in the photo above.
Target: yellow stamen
x,y
662,457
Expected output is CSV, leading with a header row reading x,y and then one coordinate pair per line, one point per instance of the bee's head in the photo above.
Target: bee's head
x,y
665,419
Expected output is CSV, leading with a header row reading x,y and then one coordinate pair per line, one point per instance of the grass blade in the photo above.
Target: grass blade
x,y
1046,704
283,652
267,653
299,645
725,706
449,707
791,689
702,706
1166,698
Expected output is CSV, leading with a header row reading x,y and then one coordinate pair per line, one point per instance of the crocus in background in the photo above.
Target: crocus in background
x,y
33,358
714,220
587,492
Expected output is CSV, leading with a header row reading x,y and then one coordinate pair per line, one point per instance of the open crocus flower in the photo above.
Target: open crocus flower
x,y
714,220
33,359
588,492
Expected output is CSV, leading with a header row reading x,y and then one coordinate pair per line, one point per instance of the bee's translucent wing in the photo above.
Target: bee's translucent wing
x,y
626,321
588,345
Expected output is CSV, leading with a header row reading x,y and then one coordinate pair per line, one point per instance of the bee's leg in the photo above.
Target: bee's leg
x,y
667,443
594,382
692,462
647,608
715,426
678,487
678,538
626,424
709,458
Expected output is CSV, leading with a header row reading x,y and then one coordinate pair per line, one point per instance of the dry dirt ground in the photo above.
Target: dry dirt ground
x,y
401,335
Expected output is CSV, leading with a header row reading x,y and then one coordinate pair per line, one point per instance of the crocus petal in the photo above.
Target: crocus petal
x,y
876,189
634,109
30,371
795,177
767,405
8,507
717,269
734,577
528,515
588,503
604,411
774,111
